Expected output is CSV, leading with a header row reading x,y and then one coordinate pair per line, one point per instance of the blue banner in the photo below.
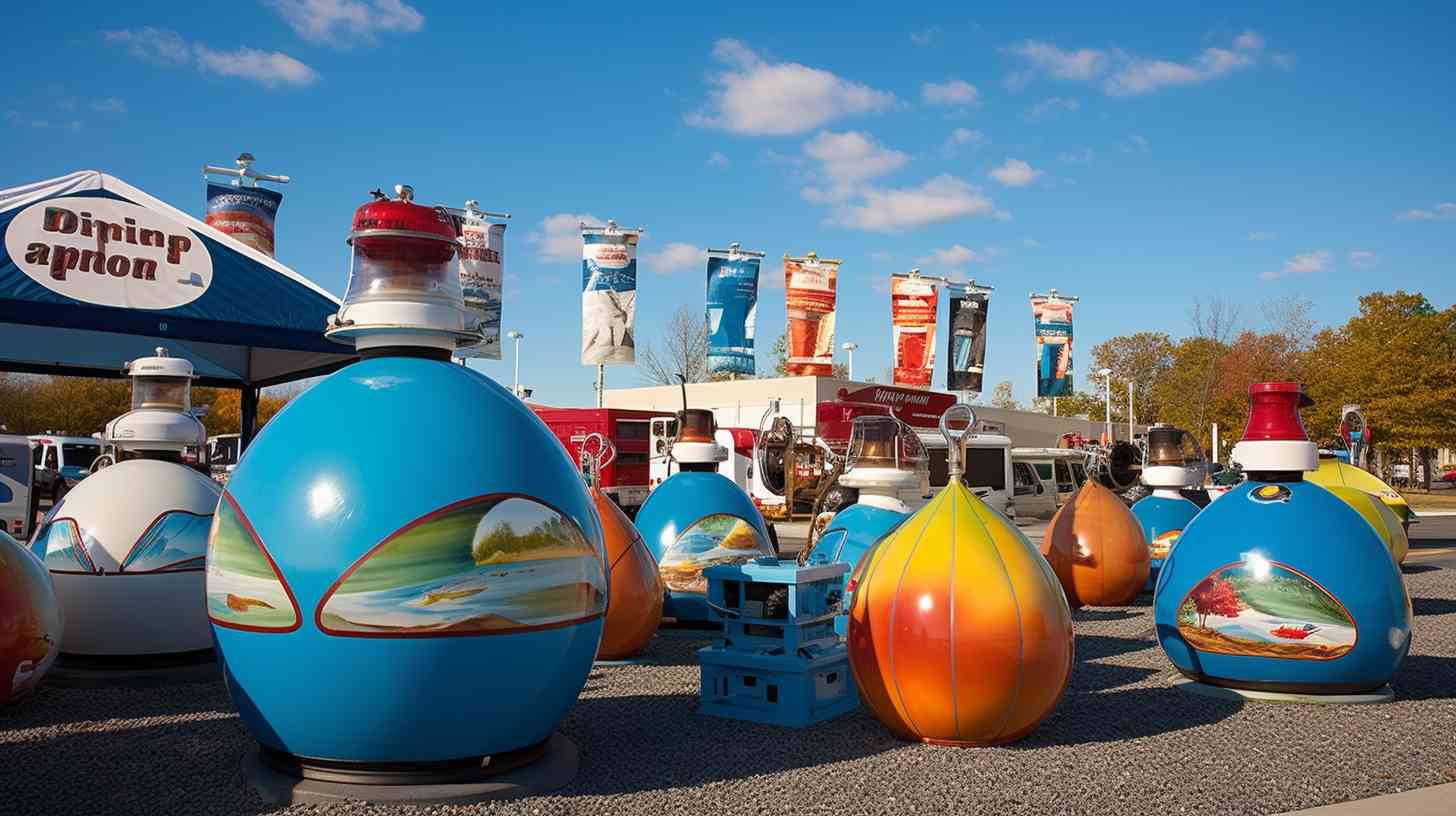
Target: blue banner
x,y
732,311
1053,347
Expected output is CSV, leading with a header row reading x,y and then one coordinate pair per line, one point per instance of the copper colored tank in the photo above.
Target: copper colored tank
x,y
1097,549
696,425
634,604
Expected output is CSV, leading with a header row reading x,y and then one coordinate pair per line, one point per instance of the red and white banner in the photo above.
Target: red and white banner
x,y
810,284
912,317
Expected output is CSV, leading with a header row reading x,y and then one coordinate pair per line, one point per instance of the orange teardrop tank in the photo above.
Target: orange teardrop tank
x,y
958,631
1097,549
634,604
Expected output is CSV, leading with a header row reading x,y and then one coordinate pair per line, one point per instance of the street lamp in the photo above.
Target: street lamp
x,y
1106,374
516,380
850,347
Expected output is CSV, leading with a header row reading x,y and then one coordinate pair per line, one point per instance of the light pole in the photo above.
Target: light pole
x,y
516,380
850,347
1106,374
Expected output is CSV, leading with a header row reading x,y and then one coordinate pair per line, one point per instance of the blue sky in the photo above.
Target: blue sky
x,y
1137,159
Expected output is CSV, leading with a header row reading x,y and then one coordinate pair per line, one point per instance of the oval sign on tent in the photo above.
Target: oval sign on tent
x,y
109,253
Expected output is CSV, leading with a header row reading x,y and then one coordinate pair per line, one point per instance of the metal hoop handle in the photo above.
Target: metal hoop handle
x,y
593,460
956,440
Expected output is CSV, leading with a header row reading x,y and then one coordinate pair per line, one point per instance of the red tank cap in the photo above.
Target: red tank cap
x,y
399,229
1274,412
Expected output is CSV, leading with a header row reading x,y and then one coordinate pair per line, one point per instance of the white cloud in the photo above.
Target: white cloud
x,y
1045,58
765,98
1049,107
1282,61
342,23
960,137
20,119
1083,156
109,105
1140,76
847,159
1306,263
717,159
559,238
1030,243
160,46
943,198
165,47
1136,143
269,68
1262,236
1441,212
1363,258
952,257
1015,173
950,92
675,257
925,36
1124,74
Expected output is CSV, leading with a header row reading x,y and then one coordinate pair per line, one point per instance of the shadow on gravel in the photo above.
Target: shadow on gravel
x,y
58,706
654,742
1417,569
1086,615
1097,647
1433,606
1092,677
1426,677
1088,718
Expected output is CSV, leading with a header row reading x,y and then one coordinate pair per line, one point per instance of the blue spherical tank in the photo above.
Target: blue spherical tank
x,y
850,534
1278,586
694,520
1163,519
405,567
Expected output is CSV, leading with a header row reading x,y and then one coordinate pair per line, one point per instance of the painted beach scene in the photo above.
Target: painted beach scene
x,y
496,566
59,547
242,588
1259,608
1162,544
177,542
716,539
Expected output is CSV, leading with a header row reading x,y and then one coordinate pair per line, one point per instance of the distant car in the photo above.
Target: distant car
x,y
1449,476
60,463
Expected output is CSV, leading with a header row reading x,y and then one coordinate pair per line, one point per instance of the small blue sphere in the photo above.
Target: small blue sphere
x,y
1163,519
1279,586
852,533
694,520
405,567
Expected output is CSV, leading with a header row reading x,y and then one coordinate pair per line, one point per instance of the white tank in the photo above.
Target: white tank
x,y
126,548
161,401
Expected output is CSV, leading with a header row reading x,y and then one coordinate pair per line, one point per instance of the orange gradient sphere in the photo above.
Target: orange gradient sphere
x,y
958,631
634,604
1097,549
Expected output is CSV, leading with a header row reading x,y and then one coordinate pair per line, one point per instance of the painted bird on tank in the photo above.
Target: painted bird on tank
x,y
1280,585
342,563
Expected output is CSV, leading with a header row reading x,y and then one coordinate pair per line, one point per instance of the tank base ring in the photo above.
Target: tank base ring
x,y
1384,694
279,777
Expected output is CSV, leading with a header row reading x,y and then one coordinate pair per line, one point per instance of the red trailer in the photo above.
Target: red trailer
x,y
625,478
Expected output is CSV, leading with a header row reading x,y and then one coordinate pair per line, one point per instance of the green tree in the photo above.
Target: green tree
x,y
779,355
1002,396
1142,359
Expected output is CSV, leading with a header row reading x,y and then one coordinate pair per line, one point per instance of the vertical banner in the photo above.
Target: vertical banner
x,y
1053,346
482,245
608,295
810,284
732,310
244,213
967,345
913,301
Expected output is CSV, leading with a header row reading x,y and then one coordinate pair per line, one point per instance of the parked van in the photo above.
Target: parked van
x,y
61,462
988,471
17,506
1059,471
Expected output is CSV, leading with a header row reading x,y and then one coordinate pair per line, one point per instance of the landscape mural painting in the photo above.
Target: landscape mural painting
x,y
1162,544
59,547
716,539
490,566
1259,608
176,542
244,590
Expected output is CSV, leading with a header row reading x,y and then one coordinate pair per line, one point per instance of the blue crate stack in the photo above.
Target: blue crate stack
x,y
780,661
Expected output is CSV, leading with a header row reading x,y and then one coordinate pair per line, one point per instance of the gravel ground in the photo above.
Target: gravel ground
x,y
1121,742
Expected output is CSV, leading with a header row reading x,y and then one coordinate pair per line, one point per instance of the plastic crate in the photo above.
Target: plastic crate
x,y
789,690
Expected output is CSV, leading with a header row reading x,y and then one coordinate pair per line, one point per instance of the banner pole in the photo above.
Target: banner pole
x,y
601,378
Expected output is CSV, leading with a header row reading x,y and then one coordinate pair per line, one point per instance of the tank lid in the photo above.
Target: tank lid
x,y
1274,438
160,365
